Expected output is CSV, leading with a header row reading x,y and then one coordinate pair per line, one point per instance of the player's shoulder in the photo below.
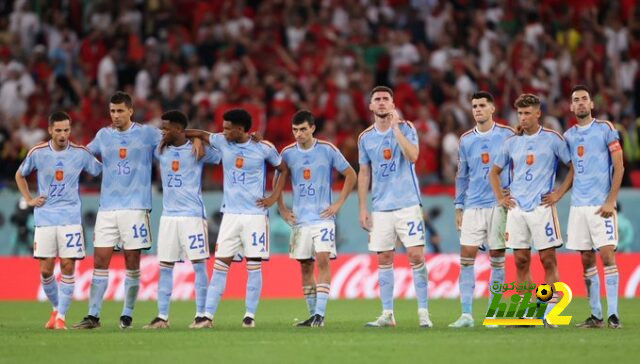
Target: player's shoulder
x,y
506,129
327,145
467,135
552,133
266,145
365,133
407,125
38,148
604,124
569,132
78,147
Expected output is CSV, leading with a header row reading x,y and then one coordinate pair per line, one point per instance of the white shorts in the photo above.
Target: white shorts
x,y
181,238
484,225
64,241
405,225
123,229
538,228
308,240
247,235
588,230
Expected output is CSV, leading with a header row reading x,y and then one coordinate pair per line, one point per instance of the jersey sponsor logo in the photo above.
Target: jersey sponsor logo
x,y
386,153
59,175
307,174
485,158
580,150
123,153
531,159
175,166
239,162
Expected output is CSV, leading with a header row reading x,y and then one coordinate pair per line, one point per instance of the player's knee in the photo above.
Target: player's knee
x,y
549,263
415,258
67,266
385,258
522,262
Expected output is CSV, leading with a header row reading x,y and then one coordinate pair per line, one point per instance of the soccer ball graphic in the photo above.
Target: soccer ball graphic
x,y
544,292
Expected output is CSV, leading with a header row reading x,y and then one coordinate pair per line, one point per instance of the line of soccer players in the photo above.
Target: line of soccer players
x,y
505,198
388,150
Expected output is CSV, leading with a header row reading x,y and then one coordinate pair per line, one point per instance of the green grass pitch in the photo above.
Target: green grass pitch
x,y
344,339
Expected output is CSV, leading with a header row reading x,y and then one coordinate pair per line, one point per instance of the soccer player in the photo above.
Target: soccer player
x,y
478,216
595,149
183,225
57,212
122,222
311,162
245,224
532,219
387,152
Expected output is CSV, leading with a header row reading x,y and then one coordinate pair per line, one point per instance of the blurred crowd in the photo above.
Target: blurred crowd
x,y
274,57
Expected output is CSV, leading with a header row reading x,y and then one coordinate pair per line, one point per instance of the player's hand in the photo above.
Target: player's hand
x,y
550,198
606,210
507,202
459,219
394,118
198,148
331,210
266,202
255,137
288,216
37,202
365,220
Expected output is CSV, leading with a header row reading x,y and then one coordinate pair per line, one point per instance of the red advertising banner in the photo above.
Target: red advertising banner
x,y
354,276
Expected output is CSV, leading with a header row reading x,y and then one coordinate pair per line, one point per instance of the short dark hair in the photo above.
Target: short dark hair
x,y
302,116
526,100
177,117
239,117
381,89
58,116
482,95
121,97
581,88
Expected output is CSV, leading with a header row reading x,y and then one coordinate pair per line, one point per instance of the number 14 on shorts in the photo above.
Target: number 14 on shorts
x,y
259,240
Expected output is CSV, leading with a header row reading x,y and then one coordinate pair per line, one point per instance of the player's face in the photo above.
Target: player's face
x,y
169,131
231,132
120,115
303,133
59,132
381,104
528,117
581,104
482,110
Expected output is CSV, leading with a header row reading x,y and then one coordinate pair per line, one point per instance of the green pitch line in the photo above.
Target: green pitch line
x,y
344,339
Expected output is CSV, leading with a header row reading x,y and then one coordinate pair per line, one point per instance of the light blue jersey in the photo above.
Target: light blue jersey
x,y
182,179
394,180
58,174
127,157
245,173
534,161
476,153
590,153
311,171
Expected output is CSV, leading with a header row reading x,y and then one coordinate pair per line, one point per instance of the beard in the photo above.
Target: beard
x,y
583,114
383,115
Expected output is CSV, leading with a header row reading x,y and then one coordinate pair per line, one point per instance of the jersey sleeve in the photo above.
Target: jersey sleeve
x,y
211,155
28,165
338,160
562,149
363,157
156,152
411,133
612,137
91,164
462,179
95,145
502,159
272,155
215,140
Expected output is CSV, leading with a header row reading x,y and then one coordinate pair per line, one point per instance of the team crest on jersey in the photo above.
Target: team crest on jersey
x,y
307,174
386,153
485,158
175,166
59,175
123,153
580,150
531,159
239,162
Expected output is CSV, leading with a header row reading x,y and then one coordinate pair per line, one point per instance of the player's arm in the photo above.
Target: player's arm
x,y
280,178
350,181
194,134
462,184
608,208
504,200
410,150
364,179
554,196
285,212
23,186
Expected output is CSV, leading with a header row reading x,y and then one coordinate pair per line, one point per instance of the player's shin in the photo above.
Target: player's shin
x,y
611,280
50,287
99,284
67,285
201,280
497,273
165,287
131,288
421,284
467,283
592,281
254,287
386,281
216,288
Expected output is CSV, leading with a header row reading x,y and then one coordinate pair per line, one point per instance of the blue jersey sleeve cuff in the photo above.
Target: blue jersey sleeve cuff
x,y
458,206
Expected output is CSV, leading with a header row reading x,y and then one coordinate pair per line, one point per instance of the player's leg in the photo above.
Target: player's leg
x,y
382,240
255,242
165,288
611,279
201,282
301,249
309,284
50,288
497,245
131,286
467,284
323,287
550,266
253,292
67,286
